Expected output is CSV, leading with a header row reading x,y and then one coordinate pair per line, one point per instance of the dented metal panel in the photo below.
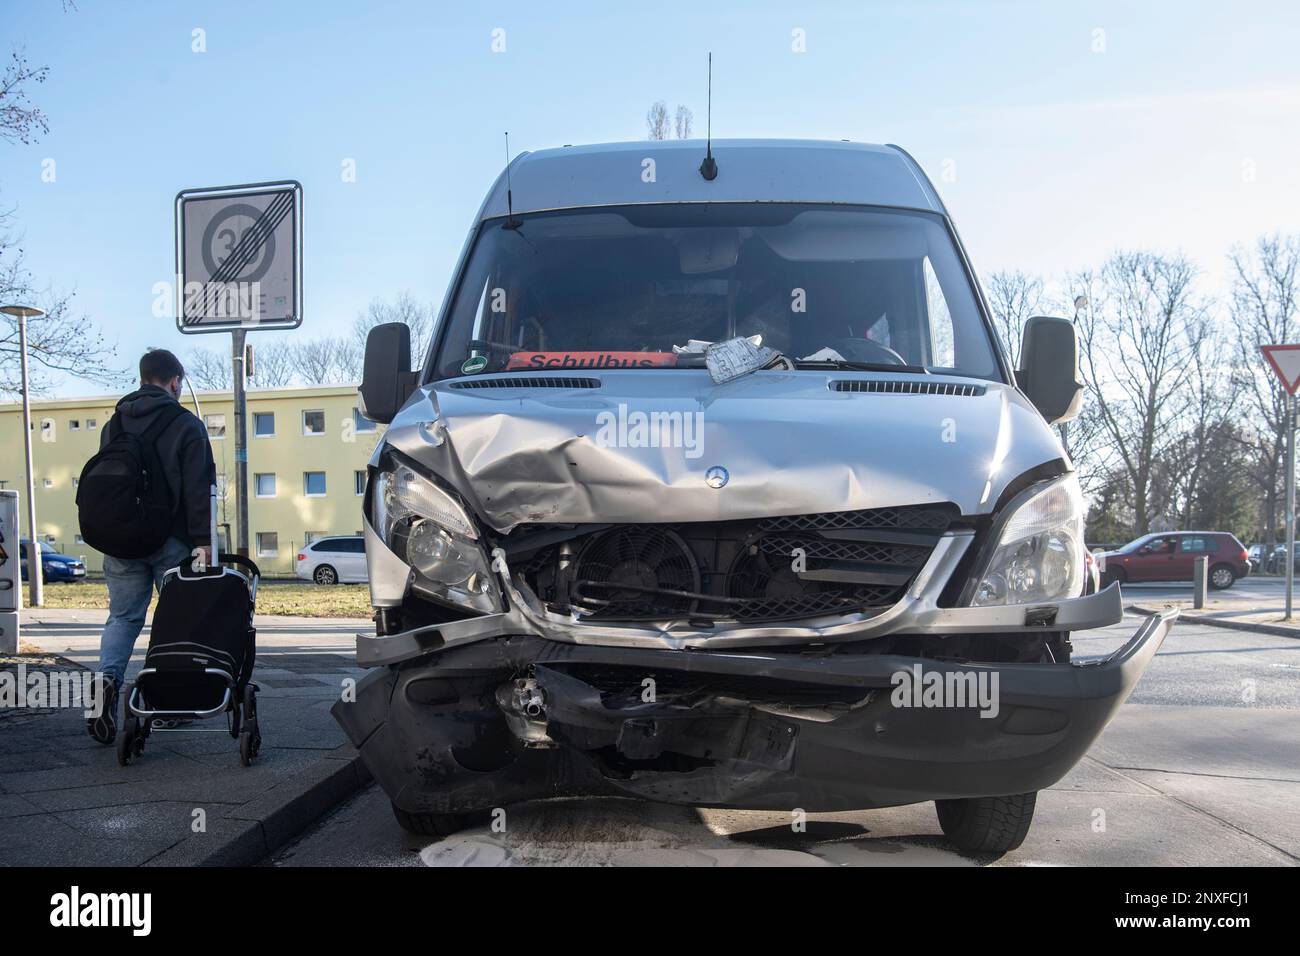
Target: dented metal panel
x,y
789,442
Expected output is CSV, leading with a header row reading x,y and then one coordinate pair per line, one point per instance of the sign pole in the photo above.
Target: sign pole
x,y
1285,362
1290,501
35,567
239,266
241,443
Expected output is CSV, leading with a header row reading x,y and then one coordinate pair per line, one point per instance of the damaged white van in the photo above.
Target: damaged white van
x,y
716,488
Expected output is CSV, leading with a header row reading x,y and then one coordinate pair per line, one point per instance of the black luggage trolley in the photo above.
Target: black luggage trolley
x,y
200,658
199,665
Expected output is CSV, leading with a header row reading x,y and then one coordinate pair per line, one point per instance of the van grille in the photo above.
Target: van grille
x,y
847,561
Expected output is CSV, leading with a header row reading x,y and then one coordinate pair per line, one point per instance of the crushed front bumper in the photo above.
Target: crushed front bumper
x,y
744,727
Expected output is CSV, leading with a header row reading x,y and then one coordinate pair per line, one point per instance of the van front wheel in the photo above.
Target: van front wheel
x,y
987,824
436,824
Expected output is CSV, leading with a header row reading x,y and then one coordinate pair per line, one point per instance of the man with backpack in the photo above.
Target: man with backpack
x,y
143,500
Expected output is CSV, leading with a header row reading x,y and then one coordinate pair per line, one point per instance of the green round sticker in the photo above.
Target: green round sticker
x,y
475,363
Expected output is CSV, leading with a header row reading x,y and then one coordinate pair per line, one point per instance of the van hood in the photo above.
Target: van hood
x,y
637,446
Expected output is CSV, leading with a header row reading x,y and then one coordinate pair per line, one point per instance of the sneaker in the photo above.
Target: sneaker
x,y
104,727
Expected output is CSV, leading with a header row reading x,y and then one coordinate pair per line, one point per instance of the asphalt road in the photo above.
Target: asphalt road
x,y
1201,767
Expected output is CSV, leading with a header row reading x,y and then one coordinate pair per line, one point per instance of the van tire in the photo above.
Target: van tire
x,y
1221,577
987,824
325,575
435,824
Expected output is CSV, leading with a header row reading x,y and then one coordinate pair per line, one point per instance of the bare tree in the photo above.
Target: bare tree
x,y
1141,334
1263,306
1014,297
273,365
208,369
318,361
418,316
20,121
656,121
1207,422
683,122
63,340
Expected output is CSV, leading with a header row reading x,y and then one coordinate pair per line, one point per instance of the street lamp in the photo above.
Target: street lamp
x,y
34,567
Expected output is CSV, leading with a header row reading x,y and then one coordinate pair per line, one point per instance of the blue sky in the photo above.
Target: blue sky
x,y
1175,128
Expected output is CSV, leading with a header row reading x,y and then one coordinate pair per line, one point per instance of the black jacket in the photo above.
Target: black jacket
x,y
185,454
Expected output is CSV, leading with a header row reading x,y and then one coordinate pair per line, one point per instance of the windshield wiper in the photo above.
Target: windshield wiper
x,y
849,365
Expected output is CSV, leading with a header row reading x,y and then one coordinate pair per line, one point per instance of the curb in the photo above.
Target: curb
x,y
257,829
1276,630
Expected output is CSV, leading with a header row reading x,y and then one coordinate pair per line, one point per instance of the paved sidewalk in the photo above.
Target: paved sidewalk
x,y
65,801
1253,604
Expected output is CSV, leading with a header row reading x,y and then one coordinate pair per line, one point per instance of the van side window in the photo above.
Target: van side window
x,y
942,352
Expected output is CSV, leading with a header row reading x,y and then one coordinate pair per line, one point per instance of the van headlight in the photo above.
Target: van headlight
x,y
431,531
1039,555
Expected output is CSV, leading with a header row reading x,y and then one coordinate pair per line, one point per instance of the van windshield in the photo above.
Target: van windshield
x,y
632,286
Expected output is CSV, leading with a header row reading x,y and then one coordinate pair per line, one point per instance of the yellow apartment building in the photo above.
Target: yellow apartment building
x,y
307,454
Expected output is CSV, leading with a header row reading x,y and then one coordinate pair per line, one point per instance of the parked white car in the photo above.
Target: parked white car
x,y
337,560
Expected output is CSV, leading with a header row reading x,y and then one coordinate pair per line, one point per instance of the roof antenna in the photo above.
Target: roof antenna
x,y
709,168
511,222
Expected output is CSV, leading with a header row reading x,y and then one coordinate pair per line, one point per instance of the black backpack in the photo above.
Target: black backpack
x,y
123,504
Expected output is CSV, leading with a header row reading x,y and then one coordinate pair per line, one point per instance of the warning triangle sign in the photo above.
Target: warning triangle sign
x,y
1285,360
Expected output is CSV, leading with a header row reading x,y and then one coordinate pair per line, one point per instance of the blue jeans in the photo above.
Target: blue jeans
x,y
131,583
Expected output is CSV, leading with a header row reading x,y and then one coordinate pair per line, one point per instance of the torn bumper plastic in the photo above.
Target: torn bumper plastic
x,y
745,728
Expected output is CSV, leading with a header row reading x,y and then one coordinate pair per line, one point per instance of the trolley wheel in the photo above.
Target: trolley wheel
x,y
250,742
250,702
129,742
234,720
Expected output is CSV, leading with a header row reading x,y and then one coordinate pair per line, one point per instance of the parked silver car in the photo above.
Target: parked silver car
x,y
716,488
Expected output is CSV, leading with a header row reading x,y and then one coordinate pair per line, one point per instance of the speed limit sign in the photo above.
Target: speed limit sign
x,y
239,257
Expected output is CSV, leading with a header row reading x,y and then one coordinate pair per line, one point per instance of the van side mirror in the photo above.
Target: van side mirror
x,y
1049,368
386,378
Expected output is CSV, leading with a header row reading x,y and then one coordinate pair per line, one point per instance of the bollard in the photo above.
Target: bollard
x,y
1199,577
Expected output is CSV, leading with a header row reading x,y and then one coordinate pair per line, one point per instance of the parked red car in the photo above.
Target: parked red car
x,y
1171,556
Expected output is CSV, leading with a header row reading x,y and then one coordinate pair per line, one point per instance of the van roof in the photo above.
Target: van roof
x,y
749,170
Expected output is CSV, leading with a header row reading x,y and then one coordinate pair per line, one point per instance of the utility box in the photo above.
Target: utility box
x,y
10,571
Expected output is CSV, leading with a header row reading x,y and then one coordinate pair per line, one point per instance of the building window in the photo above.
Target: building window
x,y
360,423
91,424
359,477
263,424
313,422
313,484
76,482
264,482
78,539
268,544
311,536
216,426
48,482
74,424
221,487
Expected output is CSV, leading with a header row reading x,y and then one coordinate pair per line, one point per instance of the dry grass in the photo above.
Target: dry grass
x,y
291,598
